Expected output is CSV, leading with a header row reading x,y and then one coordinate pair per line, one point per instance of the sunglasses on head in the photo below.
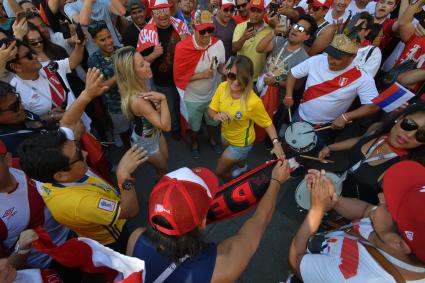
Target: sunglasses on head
x,y
229,9
204,31
15,106
242,5
231,76
299,28
409,125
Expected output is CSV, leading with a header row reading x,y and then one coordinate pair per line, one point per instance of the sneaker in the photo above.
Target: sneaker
x,y
239,170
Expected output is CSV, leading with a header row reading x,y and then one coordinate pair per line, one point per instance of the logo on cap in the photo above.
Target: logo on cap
x,y
256,2
422,190
409,235
160,208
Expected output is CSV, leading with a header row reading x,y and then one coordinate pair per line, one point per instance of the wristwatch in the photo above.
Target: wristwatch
x,y
128,184
18,250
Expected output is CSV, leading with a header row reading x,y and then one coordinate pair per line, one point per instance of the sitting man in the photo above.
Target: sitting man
x,y
178,207
333,82
75,195
387,244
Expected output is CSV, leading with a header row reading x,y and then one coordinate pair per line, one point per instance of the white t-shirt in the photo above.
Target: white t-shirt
x,y
327,108
371,66
339,261
354,9
331,20
203,90
36,96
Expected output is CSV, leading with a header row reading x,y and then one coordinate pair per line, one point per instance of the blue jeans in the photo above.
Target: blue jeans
x,y
173,100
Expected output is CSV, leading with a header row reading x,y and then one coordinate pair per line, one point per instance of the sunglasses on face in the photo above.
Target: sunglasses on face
x,y
35,43
299,28
241,5
78,154
205,31
409,125
159,12
229,9
255,10
231,76
15,106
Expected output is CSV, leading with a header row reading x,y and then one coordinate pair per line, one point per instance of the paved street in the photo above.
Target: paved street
x,y
270,262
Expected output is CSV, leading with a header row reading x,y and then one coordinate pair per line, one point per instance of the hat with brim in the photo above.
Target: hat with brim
x,y
258,4
159,4
202,20
135,4
320,3
226,3
333,52
342,45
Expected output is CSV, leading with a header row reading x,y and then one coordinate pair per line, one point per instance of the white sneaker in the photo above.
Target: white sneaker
x,y
239,170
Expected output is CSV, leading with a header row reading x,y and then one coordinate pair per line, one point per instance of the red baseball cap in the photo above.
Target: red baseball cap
x,y
159,4
183,198
3,148
202,20
259,4
320,3
226,3
404,191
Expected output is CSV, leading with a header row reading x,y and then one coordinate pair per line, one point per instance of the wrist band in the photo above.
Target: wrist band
x,y
345,118
273,179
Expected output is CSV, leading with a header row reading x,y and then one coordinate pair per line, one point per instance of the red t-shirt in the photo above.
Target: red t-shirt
x,y
387,30
239,19
414,49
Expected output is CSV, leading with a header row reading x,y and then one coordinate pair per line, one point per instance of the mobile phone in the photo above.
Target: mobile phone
x,y
80,33
249,25
7,41
274,7
66,31
19,16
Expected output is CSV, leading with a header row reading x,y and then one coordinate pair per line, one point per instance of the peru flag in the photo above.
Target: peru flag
x,y
92,257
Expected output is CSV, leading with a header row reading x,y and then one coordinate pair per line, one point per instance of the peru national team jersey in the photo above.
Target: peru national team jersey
x,y
327,108
90,207
344,259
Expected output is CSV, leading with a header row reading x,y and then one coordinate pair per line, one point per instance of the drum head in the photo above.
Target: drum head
x,y
300,136
302,194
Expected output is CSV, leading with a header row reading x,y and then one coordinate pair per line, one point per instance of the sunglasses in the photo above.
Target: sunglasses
x,y
255,10
409,125
35,43
299,28
29,55
204,31
15,106
229,9
231,76
241,5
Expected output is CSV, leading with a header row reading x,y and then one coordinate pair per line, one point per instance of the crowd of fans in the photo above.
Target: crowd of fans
x,y
295,76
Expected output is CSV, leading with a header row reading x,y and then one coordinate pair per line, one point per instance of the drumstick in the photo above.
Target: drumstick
x,y
316,158
323,128
290,115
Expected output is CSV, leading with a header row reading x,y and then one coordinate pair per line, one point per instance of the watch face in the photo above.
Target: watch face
x,y
128,185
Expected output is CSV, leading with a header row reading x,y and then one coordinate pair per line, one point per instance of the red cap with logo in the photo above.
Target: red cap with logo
x,y
259,4
320,3
183,198
202,20
404,191
3,148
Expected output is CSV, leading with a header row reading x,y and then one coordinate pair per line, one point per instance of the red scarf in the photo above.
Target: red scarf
x,y
56,89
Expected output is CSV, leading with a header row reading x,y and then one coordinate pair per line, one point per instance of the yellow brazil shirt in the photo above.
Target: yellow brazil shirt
x,y
90,207
240,130
249,47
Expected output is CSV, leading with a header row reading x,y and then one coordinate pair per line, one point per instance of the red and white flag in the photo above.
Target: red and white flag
x,y
92,257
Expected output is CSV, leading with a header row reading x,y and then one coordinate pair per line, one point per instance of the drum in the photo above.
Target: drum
x,y
302,194
300,136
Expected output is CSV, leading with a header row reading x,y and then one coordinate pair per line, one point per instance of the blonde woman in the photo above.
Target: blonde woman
x,y
237,107
147,109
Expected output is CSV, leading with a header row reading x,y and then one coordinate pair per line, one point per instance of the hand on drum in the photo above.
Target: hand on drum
x,y
324,153
322,191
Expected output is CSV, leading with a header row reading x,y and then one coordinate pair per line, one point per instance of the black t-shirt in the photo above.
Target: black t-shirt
x,y
162,67
130,36
54,19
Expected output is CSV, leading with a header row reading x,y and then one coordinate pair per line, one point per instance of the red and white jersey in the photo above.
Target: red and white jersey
x,y
37,276
344,259
327,108
24,209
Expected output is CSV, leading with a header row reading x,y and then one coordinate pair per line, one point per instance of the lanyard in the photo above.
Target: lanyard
x,y
276,65
366,158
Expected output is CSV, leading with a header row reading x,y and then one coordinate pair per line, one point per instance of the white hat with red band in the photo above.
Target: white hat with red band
x,y
159,4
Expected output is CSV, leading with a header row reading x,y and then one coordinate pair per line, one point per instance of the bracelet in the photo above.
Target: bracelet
x,y
345,118
273,179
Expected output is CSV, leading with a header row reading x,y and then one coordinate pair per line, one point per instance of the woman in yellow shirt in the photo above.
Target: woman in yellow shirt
x,y
237,107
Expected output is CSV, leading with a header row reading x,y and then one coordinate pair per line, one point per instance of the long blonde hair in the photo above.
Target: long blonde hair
x,y
129,84
244,75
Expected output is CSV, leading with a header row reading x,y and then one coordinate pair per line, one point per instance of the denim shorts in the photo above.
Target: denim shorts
x,y
236,152
150,144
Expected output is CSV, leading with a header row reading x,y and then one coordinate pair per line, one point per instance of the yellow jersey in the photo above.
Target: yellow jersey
x,y
90,207
239,131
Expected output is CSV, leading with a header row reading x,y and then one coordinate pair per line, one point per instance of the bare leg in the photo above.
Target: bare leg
x,y
224,166
211,134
